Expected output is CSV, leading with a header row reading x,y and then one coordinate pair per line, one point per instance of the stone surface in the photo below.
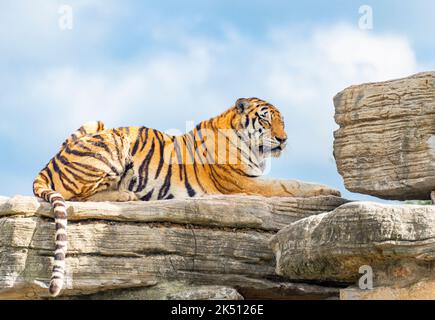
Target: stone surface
x,y
385,145
423,290
207,293
396,241
167,290
159,250
269,214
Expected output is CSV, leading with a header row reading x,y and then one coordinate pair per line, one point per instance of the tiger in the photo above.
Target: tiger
x,y
224,155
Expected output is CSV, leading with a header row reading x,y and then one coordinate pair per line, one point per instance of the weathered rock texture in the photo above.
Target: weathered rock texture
x,y
385,145
397,242
422,290
157,250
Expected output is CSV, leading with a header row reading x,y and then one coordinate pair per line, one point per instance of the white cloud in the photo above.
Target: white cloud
x,y
125,93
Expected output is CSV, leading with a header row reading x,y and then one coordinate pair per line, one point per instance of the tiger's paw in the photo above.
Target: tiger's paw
x,y
296,188
114,196
124,196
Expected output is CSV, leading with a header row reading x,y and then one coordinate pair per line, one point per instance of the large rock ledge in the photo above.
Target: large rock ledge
x,y
397,242
385,145
214,247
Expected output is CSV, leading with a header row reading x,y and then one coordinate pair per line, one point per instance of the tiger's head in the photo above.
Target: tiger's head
x,y
261,125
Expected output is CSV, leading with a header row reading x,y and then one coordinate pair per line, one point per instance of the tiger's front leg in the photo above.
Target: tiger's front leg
x,y
289,188
115,196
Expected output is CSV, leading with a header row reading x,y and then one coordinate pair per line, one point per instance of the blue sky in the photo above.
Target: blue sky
x,y
164,63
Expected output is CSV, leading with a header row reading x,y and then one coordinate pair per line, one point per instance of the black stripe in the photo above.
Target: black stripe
x,y
58,269
55,166
59,256
97,171
74,166
136,145
192,154
93,155
50,175
100,126
61,237
80,144
57,199
189,188
224,177
148,196
98,137
60,215
125,130
179,159
66,182
80,178
102,145
202,142
60,246
132,183
195,148
145,140
216,181
144,168
59,226
117,147
127,167
161,151
198,129
190,191
167,184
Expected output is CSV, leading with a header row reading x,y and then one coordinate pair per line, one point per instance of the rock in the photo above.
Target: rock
x,y
159,250
396,241
207,293
423,290
270,214
385,145
168,290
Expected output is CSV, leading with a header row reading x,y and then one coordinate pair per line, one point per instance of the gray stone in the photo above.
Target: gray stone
x,y
396,241
385,145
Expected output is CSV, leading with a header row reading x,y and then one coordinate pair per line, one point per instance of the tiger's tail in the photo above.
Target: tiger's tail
x,y
41,189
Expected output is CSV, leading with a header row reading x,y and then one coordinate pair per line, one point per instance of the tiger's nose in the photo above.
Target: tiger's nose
x,y
281,140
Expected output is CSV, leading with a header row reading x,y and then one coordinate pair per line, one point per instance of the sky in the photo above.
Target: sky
x,y
168,64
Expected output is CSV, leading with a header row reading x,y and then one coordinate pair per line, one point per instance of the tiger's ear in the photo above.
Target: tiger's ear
x,y
242,105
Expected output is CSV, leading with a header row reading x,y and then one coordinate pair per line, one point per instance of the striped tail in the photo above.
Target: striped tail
x,y
41,189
